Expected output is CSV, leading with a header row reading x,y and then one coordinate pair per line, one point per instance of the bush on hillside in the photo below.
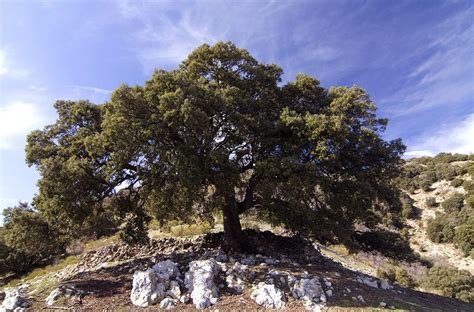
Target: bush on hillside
x,y
454,203
439,230
457,182
451,282
390,244
464,238
26,238
445,171
470,201
468,186
431,202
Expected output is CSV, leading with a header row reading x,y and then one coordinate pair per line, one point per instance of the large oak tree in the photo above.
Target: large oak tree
x,y
220,132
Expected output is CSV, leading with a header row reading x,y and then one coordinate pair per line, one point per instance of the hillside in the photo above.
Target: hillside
x,y
296,276
405,267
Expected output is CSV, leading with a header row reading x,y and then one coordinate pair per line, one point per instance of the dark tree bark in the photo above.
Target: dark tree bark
x,y
234,238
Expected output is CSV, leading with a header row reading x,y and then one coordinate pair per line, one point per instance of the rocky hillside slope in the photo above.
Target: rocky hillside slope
x,y
194,273
439,191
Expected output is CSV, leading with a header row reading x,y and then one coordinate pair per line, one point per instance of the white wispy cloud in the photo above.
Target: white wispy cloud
x,y
443,77
454,137
17,119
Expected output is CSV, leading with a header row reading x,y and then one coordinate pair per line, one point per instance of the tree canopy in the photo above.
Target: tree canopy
x,y
220,132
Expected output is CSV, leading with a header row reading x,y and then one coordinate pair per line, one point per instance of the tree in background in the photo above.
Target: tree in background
x,y
221,132
25,239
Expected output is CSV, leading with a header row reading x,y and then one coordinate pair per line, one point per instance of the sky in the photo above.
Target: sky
x,y
415,59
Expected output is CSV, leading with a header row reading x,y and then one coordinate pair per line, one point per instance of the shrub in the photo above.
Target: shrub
x,y
454,203
468,186
409,211
431,202
402,277
26,238
464,238
470,201
445,171
451,282
439,231
390,244
457,182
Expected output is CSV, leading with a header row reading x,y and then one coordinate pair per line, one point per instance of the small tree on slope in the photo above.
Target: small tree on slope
x,y
220,133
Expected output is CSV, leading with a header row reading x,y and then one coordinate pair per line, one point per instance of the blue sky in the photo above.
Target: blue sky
x,y
415,58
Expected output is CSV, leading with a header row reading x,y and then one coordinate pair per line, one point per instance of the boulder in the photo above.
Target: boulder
x,y
174,291
268,296
199,280
13,300
166,270
53,296
146,289
367,281
222,258
310,291
168,303
250,260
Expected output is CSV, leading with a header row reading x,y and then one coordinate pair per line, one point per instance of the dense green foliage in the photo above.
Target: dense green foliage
x,y
421,173
25,240
464,238
451,282
454,203
219,132
440,230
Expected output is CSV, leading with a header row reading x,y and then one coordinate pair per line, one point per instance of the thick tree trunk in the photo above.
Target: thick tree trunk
x,y
235,240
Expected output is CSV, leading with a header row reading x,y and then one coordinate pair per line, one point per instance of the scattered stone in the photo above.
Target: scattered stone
x,y
384,284
382,304
250,260
222,258
268,296
235,283
13,300
360,298
168,303
174,290
185,298
53,296
166,270
199,280
271,261
367,281
310,291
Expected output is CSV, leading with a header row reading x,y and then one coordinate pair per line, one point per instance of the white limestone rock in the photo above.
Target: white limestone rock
x,y
146,289
166,270
384,284
174,291
310,291
53,296
199,280
367,281
168,304
13,300
250,260
268,296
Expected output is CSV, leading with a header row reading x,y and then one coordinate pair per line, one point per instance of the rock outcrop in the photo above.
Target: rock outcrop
x,y
199,280
268,296
14,301
153,285
310,291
